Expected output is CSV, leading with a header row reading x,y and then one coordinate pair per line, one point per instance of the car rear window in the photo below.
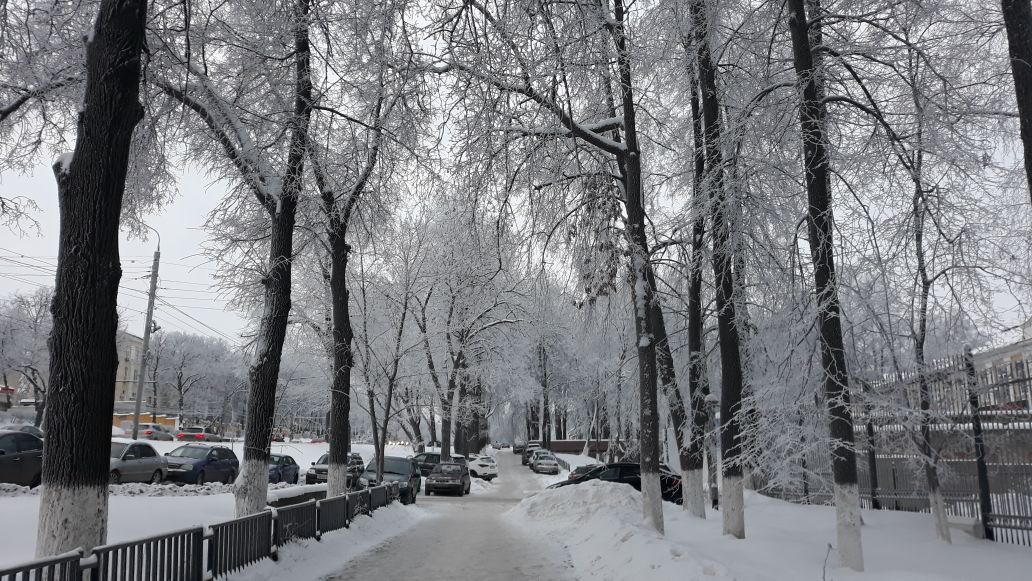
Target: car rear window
x,y
448,469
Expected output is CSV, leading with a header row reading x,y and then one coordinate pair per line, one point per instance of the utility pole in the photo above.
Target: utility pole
x,y
146,339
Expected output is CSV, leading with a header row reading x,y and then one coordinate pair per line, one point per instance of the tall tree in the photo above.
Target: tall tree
x,y
820,224
83,358
1017,17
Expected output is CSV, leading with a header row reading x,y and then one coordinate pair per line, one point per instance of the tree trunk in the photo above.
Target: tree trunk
x,y
820,226
83,355
343,361
253,483
1017,17
730,351
432,423
698,388
546,413
446,427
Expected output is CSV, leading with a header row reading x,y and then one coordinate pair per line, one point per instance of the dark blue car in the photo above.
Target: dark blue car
x,y
283,469
200,463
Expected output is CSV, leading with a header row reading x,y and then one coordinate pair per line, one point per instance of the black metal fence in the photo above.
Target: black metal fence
x,y
229,546
979,430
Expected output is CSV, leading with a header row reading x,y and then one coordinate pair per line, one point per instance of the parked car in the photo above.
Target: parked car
x,y
283,468
136,461
630,473
545,463
427,461
528,451
21,458
26,428
198,434
483,467
404,471
319,470
448,477
580,471
518,448
200,463
533,456
460,459
155,432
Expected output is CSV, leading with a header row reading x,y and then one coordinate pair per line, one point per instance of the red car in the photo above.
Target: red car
x,y
198,434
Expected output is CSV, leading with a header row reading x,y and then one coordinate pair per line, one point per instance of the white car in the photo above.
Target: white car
x,y
483,467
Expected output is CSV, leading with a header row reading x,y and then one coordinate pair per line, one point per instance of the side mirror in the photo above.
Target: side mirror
x,y
166,453
313,463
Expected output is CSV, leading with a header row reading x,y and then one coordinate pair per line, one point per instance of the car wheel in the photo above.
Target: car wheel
x,y
36,480
200,478
294,481
472,474
115,477
156,478
232,478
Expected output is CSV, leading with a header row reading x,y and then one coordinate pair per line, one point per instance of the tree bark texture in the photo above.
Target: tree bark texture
x,y
83,355
829,325
1017,17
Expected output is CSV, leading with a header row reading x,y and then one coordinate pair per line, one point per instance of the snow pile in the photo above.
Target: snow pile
x,y
599,523
311,559
289,491
601,526
479,485
577,460
15,490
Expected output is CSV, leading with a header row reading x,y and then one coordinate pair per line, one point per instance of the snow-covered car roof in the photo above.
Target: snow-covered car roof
x,y
129,441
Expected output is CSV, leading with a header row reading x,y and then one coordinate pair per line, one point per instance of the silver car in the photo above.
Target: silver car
x,y
134,461
545,464
154,432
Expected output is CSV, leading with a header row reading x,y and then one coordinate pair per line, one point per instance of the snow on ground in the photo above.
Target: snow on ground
x,y
311,559
600,524
575,460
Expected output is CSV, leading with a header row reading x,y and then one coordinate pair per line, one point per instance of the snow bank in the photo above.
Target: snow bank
x,y
577,460
311,559
601,526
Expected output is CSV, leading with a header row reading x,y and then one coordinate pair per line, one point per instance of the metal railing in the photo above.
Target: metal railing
x,y
229,546
296,522
236,544
175,556
49,569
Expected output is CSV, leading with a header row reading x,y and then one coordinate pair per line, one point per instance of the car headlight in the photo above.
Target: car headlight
x,y
311,470
404,484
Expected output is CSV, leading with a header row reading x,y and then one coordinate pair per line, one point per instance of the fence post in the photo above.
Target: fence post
x,y
985,500
872,464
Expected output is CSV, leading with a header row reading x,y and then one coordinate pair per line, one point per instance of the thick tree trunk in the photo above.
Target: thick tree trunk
x,y
1017,17
83,355
821,226
723,262
546,413
446,427
253,483
432,423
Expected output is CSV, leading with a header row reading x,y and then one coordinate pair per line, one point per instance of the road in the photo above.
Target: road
x,y
467,539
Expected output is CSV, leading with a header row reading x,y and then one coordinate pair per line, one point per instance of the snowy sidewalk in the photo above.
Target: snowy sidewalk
x,y
467,538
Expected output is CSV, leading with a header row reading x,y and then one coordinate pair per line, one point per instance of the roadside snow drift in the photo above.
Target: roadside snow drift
x,y
601,526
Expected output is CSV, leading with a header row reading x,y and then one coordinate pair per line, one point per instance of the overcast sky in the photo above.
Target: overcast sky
x,y
28,261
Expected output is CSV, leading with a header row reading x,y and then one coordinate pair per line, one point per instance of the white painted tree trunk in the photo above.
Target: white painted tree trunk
x,y
336,480
732,506
652,501
938,506
71,517
847,515
693,491
252,487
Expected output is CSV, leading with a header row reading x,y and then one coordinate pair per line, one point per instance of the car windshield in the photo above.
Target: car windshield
x,y
392,466
274,459
193,430
324,459
195,452
117,449
447,469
